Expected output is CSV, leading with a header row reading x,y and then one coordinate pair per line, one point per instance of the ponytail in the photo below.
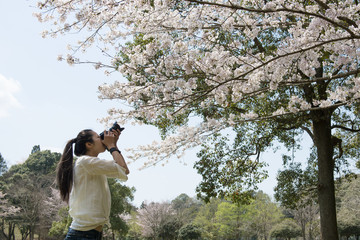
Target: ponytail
x,y
64,171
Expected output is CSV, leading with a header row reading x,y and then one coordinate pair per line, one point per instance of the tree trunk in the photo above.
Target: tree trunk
x,y
326,189
11,231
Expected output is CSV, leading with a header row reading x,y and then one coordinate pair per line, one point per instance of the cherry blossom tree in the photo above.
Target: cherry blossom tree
x,y
154,218
7,210
268,70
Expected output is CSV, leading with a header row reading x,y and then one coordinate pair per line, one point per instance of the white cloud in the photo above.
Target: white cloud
x,y
8,88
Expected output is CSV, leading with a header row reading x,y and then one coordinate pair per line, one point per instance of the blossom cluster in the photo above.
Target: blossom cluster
x,y
216,53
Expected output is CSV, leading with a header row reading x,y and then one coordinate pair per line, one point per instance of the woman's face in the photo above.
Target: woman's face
x,y
96,146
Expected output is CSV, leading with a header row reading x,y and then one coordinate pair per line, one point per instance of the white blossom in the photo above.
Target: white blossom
x,y
220,47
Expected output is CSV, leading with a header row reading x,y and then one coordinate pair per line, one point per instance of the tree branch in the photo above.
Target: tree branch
x,y
308,132
345,128
284,9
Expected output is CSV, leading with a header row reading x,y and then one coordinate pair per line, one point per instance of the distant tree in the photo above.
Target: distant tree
x,y
296,192
189,232
7,211
287,229
60,227
134,232
206,219
121,196
170,229
228,220
153,217
42,162
35,149
261,215
185,207
28,187
307,217
3,166
349,210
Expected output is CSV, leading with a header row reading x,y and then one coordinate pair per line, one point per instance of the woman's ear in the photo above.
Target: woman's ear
x,y
88,145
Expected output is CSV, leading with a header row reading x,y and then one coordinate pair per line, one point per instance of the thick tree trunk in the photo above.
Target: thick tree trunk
x,y
326,189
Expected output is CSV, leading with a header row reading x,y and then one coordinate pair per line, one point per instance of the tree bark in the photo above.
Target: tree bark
x,y
326,189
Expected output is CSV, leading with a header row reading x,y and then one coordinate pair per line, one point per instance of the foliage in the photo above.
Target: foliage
x,y
60,228
121,196
35,149
287,229
134,232
189,232
3,166
205,219
185,207
228,219
225,220
262,215
306,216
226,174
349,212
294,185
27,186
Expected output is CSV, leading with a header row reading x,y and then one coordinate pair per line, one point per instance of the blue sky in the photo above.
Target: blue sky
x,y
45,102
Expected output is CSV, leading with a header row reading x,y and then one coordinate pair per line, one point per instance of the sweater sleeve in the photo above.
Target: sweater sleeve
x,y
97,166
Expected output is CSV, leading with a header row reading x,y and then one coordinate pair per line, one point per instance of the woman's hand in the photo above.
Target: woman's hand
x,y
117,134
109,139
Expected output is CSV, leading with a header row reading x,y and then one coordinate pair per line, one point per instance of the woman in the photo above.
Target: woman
x,y
84,185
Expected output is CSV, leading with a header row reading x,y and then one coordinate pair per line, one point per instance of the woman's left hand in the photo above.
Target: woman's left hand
x,y
117,134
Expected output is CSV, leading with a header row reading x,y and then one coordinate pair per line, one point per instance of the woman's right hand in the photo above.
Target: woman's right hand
x,y
110,139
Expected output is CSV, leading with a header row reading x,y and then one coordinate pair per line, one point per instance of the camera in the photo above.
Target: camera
x,y
115,126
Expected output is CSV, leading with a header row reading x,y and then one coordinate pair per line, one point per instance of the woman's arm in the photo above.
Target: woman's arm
x,y
119,159
115,152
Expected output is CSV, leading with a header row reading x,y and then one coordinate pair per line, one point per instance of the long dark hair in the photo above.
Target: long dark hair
x,y
64,171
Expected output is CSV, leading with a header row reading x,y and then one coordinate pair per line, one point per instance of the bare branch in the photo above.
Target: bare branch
x,y
345,128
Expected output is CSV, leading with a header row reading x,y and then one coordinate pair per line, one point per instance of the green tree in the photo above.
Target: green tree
x,y
229,219
121,197
185,207
189,232
287,230
60,228
349,212
42,162
294,185
261,215
170,229
306,216
35,149
3,165
206,219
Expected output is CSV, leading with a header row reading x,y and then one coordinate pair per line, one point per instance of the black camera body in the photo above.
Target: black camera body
x,y
115,126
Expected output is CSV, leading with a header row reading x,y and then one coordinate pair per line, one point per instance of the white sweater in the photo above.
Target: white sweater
x,y
90,198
